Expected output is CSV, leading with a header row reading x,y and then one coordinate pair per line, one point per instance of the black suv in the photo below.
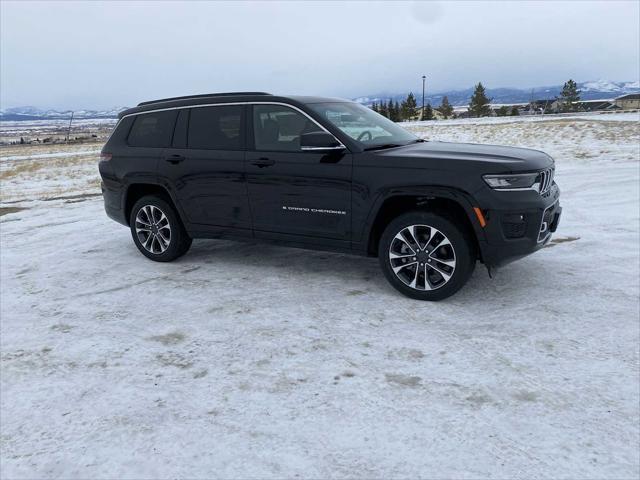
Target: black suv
x,y
324,173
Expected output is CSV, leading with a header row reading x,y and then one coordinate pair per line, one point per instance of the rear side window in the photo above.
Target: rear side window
x,y
153,129
216,128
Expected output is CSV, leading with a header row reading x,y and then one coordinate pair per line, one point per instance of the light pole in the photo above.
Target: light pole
x,y
423,80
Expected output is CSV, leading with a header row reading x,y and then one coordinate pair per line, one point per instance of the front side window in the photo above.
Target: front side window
x,y
152,129
364,125
216,128
278,128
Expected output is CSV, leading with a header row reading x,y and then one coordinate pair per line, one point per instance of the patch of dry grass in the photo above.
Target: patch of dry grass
x,y
19,168
42,178
28,150
7,210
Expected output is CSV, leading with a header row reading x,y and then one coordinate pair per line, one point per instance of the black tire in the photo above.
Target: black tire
x,y
459,252
179,241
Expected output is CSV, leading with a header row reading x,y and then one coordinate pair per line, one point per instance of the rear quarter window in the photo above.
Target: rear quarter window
x,y
216,128
152,129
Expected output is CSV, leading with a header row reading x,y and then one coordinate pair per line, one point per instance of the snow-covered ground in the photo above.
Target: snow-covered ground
x,y
253,361
588,117
53,131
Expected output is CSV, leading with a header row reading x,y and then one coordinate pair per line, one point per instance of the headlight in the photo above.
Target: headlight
x,y
516,181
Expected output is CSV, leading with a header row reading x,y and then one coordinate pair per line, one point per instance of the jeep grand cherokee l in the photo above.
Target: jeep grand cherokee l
x,y
324,173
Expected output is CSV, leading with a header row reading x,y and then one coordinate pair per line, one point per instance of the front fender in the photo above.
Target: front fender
x,y
423,193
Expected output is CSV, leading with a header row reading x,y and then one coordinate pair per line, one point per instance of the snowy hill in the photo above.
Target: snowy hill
x,y
35,113
592,90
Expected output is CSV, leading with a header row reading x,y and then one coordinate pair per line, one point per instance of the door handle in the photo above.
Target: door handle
x,y
263,162
175,159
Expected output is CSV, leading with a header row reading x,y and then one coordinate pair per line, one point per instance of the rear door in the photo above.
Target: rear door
x,y
205,166
149,134
295,192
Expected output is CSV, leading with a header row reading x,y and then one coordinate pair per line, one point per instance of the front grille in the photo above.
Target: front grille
x,y
545,180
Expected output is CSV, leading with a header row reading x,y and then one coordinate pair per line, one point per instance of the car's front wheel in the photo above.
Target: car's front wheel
x,y
157,231
426,256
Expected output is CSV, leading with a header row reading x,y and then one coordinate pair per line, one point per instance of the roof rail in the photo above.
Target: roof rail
x,y
226,94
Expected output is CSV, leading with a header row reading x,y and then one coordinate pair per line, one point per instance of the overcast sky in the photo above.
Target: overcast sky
x,y
99,55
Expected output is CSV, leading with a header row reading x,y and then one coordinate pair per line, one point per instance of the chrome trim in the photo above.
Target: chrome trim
x,y
313,149
533,187
342,146
184,106
546,180
544,225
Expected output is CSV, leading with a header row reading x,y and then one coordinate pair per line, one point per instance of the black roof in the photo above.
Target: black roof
x,y
228,97
202,95
543,101
631,96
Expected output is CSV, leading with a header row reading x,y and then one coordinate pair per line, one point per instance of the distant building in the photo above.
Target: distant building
x,y
594,105
628,102
461,111
506,108
538,107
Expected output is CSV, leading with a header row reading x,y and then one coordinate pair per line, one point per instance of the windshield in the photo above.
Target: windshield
x,y
365,126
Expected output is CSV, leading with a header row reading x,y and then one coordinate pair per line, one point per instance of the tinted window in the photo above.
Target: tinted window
x,y
153,129
278,128
216,128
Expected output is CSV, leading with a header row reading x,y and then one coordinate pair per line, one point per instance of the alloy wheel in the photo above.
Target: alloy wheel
x,y
153,229
422,257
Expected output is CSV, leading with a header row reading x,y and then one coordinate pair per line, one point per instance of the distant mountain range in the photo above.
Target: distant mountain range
x,y
34,113
595,90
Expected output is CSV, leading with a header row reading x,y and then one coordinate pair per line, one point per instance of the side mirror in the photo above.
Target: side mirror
x,y
319,141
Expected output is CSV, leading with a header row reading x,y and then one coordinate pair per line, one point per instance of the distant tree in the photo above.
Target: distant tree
x,y
445,108
503,111
382,109
409,107
427,114
374,107
514,111
391,111
21,141
570,95
395,114
479,105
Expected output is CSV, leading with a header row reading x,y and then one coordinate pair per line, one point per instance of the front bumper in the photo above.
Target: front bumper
x,y
518,223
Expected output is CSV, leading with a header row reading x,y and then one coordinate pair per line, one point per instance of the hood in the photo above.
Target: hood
x,y
489,158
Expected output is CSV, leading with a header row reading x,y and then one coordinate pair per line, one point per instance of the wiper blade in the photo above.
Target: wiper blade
x,y
383,146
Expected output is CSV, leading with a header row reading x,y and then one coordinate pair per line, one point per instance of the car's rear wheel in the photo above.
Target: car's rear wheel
x,y
157,230
426,256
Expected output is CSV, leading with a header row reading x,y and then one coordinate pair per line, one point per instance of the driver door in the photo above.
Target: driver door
x,y
299,195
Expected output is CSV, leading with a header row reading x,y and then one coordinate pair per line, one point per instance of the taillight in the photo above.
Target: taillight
x,y
105,157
